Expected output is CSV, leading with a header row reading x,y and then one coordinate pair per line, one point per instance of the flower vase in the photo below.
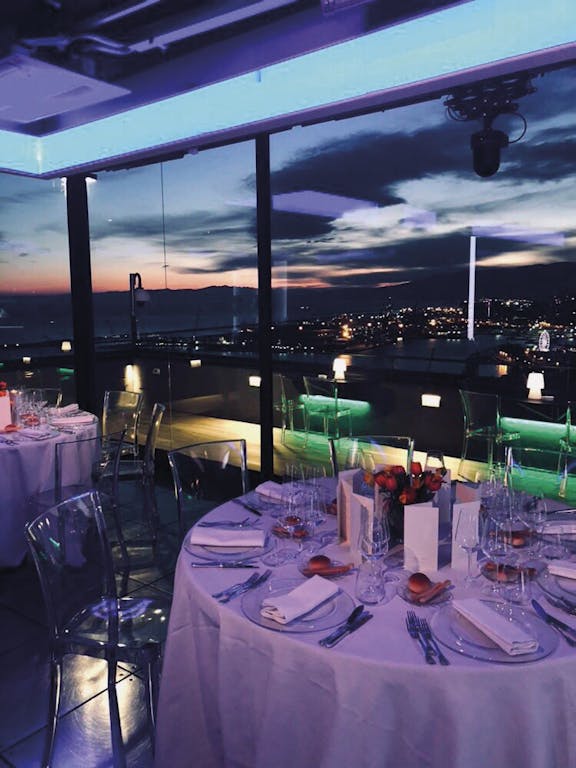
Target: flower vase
x,y
388,505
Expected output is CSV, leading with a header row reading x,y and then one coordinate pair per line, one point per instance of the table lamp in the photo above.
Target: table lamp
x,y
339,369
535,384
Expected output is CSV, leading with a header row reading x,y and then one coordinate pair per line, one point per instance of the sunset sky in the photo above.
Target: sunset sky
x,y
381,199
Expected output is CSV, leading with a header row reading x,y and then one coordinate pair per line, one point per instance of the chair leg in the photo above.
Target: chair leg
x,y
563,473
151,693
118,756
151,508
53,707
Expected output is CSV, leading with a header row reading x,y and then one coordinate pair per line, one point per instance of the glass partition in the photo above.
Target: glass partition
x,y
186,229
375,220
35,306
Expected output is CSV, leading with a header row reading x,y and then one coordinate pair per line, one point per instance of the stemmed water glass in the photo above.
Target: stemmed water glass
x,y
374,544
496,545
468,537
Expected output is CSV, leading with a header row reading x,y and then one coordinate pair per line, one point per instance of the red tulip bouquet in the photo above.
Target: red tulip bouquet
x,y
396,488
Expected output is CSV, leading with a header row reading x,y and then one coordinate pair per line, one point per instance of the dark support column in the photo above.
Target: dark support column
x,y
264,228
81,287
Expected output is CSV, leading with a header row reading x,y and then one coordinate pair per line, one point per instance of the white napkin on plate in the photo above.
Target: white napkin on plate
x,y
68,421
303,599
36,433
65,410
507,634
564,568
271,489
558,527
222,537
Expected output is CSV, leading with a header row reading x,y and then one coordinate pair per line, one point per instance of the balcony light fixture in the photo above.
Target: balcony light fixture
x,y
66,346
254,381
138,298
195,363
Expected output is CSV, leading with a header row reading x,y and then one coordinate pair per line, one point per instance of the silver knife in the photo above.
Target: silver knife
x,y
223,565
565,630
247,506
360,621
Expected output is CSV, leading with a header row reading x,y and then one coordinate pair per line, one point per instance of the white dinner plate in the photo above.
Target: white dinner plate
x,y
558,586
460,635
226,554
329,614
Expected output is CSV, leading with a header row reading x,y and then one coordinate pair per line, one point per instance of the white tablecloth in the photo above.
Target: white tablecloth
x,y
237,695
26,468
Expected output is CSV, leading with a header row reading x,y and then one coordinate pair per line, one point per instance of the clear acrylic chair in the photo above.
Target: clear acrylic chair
x,y
121,412
482,426
208,474
290,407
71,552
80,465
371,451
321,403
142,471
566,451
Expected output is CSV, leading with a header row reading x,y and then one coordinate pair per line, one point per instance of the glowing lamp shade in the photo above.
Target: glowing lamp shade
x,y
254,381
339,369
430,401
195,363
66,346
535,384
26,360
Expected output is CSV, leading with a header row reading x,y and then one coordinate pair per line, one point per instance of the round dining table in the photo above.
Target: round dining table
x,y
236,694
27,468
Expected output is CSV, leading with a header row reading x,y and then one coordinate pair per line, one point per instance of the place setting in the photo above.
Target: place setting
x,y
226,543
296,606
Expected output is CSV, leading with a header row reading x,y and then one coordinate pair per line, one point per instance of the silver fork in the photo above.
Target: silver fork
x,y
429,637
235,587
256,583
412,627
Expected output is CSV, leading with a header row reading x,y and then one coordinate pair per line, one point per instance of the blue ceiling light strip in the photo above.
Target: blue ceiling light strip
x,y
461,38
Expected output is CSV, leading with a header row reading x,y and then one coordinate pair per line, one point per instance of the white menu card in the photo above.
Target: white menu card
x,y
421,537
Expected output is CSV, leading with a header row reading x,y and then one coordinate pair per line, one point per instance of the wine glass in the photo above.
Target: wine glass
x,y
374,544
495,544
468,538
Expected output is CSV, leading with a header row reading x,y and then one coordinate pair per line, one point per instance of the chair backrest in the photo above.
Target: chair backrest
x,y
88,463
215,471
51,396
72,556
121,412
481,411
321,388
371,451
152,435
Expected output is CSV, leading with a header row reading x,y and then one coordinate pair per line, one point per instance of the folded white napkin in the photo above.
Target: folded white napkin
x,y
64,410
558,528
223,537
36,433
564,568
507,634
271,489
303,599
68,421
